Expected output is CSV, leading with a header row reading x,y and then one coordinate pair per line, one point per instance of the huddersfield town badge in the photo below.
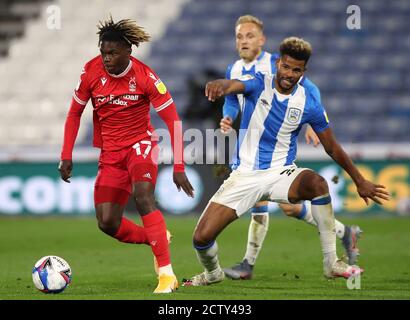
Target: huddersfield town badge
x,y
294,115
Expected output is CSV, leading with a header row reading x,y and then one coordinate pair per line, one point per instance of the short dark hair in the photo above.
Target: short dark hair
x,y
125,30
296,48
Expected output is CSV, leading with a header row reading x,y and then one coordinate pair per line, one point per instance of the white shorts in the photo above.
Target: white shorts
x,y
243,189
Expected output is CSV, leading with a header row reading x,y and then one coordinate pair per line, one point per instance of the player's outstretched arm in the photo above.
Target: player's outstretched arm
x,y
222,87
365,188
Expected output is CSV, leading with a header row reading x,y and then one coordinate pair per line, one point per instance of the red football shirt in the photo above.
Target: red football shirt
x,y
121,102
121,106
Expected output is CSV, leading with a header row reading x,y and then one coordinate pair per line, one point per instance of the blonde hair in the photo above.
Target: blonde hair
x,y
249,19
125,29
297,48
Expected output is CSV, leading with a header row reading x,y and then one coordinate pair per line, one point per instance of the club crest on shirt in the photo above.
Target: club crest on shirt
x,y
246,77
132,84
294,115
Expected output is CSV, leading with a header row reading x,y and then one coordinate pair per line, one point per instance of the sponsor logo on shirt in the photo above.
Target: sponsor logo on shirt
x,y
117,101
121,100
100,99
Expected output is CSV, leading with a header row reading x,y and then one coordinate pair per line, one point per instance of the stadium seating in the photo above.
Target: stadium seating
x,y
363,74
43,65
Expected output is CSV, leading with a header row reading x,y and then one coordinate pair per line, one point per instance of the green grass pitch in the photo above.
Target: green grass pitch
x,y
289,265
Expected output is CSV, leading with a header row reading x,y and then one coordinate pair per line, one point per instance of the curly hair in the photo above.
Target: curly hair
x,y
297,48
125,30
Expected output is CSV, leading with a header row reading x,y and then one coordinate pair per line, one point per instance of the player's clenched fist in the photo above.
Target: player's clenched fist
x,y
65,168
215,89
221,87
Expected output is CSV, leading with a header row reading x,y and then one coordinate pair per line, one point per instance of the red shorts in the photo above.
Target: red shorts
x,y
117,170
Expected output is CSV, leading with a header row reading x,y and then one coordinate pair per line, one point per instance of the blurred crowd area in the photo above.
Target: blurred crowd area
x,y
363,74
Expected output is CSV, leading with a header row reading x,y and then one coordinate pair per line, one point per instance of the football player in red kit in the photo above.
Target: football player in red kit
x,y
121,89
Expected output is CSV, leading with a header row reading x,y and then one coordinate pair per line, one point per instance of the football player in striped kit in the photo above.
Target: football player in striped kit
x,y
250,40
275,109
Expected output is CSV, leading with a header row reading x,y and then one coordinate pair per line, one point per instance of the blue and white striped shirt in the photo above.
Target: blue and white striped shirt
x,y
264,64
272,121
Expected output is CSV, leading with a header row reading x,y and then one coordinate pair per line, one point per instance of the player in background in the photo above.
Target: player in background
x,y
250,40
121,89
276,106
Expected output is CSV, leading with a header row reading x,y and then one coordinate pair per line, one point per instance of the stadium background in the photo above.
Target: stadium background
x,y
363,75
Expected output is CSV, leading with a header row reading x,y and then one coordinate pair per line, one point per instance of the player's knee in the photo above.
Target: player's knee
x,y
319,186
202,237
108,224
145,202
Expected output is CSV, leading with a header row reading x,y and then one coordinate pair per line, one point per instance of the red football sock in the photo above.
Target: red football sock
x,y
156,232
130,232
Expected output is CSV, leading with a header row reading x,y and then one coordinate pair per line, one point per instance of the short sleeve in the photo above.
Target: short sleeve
x,y
318,118
157,92
314,90
254,83
82,92
231,105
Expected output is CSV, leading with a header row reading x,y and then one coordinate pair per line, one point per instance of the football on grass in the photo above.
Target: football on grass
x,y
51,274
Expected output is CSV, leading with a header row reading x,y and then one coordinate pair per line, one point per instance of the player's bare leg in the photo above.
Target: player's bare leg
x,y
308,185
212,221
256,235
109,217
349,235
109,206
156,232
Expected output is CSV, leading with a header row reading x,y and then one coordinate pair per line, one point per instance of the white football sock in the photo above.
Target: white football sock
x,y
208,257
306,215
340,229
256,235
323,214
166,270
